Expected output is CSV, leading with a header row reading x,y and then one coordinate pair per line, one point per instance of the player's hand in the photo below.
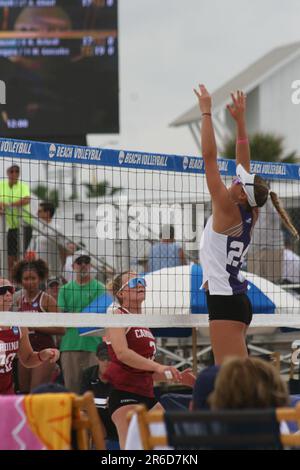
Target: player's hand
x,y
237,108
169,373
49,354
204,99
187,378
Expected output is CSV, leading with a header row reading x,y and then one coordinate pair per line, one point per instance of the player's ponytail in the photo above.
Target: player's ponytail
x,y
261,193
283,215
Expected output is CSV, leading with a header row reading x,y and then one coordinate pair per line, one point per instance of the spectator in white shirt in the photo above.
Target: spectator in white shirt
x,y
46,243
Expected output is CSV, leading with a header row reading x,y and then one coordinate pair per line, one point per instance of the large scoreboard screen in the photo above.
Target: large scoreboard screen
x,y
59,62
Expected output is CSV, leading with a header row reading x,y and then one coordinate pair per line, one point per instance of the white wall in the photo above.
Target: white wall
x,y
253,111
277,112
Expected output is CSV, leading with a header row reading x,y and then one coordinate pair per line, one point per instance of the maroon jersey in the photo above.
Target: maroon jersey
x,y
34,305
9,346
38,340
126,378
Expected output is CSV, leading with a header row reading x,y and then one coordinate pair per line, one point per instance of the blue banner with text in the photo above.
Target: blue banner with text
x,y
73,154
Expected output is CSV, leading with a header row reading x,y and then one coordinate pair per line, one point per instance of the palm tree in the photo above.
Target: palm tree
x,y
265,147
47,195
100,189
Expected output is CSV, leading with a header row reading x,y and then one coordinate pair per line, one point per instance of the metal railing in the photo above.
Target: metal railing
x,y
98,263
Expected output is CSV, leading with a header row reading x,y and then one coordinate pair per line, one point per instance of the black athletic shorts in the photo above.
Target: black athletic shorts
x,y
118,398
229,307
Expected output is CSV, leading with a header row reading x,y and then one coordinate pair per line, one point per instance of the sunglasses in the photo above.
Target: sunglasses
x,y
83,260
134,282
5,289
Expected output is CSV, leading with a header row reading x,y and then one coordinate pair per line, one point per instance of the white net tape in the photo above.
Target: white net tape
x,y
92,320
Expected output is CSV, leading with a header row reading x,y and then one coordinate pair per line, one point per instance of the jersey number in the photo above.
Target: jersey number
x,y
153,345
236,254
6,362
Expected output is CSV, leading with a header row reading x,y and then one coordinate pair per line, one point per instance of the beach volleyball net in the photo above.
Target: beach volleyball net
x,y
138,212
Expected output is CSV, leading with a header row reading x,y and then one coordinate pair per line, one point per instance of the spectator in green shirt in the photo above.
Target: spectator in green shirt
x,y
15,204
77,352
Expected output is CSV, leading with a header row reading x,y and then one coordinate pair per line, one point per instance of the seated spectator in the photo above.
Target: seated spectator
x,y
94,381
30,274
166,253
53,286
203,387
248,382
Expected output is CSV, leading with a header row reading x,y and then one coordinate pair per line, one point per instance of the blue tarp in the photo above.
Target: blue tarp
x,y
99,305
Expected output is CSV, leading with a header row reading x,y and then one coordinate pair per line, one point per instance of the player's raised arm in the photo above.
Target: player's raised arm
x,y
215,184
237,110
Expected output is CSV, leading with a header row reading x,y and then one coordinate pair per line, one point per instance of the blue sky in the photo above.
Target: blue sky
x,y
168,46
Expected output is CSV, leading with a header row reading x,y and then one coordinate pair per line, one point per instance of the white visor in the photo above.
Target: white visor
x,y
247,180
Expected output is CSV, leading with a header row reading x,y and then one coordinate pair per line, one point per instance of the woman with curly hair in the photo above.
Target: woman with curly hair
x,y
30,274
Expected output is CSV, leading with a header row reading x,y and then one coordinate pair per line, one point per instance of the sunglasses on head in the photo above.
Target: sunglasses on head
x,y
5,289
83,260
134,282
236,180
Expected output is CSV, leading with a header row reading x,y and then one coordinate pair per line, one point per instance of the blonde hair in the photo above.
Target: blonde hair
x,y
261,193
248,383
115,284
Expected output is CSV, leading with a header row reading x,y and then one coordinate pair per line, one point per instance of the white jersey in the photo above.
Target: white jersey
x,y
222,256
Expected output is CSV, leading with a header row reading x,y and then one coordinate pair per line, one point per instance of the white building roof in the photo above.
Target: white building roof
x,y
247,80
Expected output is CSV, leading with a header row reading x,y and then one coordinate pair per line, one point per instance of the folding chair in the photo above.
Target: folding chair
x,y
232,429
289,415
86,423
227,429
145,418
